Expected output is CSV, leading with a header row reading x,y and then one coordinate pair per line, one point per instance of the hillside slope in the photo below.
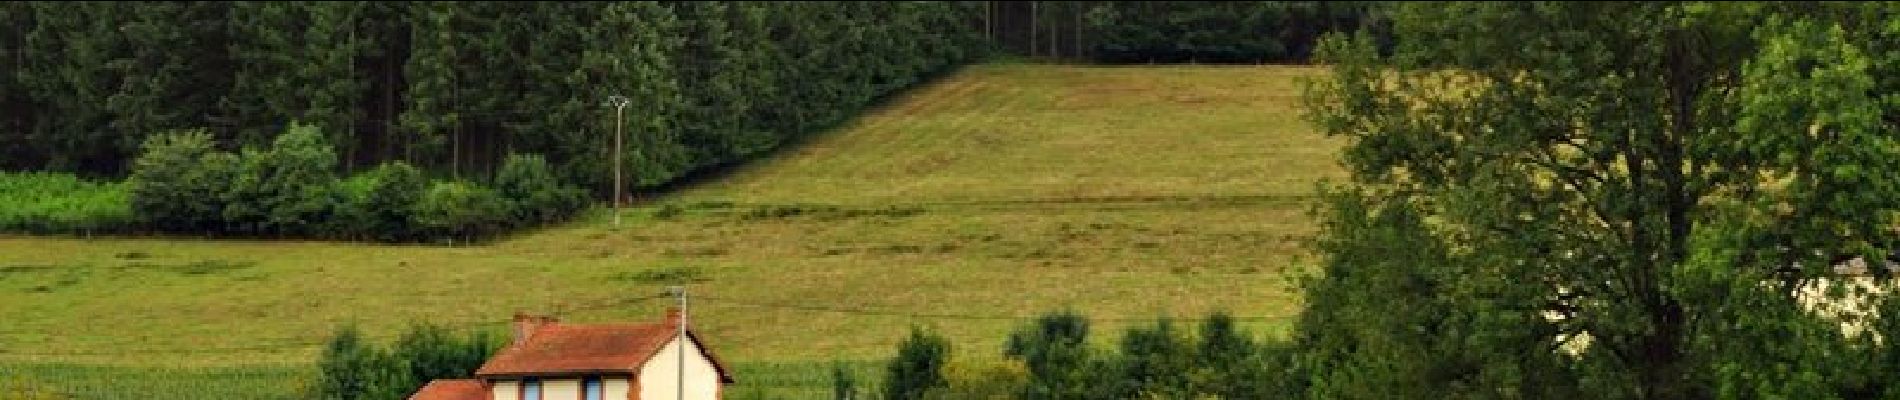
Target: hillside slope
x,y
967,205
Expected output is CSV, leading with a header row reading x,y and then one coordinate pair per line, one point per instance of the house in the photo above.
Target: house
x,y
550,360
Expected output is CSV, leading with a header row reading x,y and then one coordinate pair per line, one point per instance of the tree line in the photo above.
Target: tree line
x,y
1175,31
454,88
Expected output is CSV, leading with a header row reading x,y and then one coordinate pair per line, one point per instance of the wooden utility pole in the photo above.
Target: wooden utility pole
x,y
620,105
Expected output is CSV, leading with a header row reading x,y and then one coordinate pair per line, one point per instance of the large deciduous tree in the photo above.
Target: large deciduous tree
x,y
1645,184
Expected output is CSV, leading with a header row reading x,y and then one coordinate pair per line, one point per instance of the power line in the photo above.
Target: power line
x,y
293,343
300,342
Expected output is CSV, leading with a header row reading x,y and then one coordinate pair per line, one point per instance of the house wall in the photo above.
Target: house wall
x,y
505,390
616,388
659,378
560,389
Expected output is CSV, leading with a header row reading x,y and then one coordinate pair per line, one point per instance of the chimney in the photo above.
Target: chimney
x,y
672,316
526,325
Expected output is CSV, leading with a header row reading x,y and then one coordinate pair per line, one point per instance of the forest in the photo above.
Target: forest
x,y
455,89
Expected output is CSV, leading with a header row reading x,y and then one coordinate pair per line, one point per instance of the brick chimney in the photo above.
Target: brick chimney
x,y
672,316
526,325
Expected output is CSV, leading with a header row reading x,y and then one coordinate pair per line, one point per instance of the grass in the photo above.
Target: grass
x,y
968,205
49,203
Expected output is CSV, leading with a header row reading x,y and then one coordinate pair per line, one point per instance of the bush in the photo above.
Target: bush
x,y
351,218
460,210
918,367
379,204
996,379
536,194
351,368
1056,353
285,190
431,352
181,183
177,181
39,202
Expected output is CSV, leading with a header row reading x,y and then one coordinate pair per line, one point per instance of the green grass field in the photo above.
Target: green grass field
x,y
968,205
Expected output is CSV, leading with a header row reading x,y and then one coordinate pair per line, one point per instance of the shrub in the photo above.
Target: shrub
x,y
1056,353
460,210
994,379
430,352
1155,362
287,189
352,368
351,218
177,180
918,366
538,196
380,204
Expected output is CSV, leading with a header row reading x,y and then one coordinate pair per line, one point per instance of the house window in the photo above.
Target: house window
x,y
590,388
531,389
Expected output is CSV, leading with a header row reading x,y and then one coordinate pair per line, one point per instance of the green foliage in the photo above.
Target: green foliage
x,y
968,379
537,195
460,211
178,180
1155,362
1619,201
181,183
433,352
45,202
284,190
394,191
1052,359
844,384
454,88
353,368
1055,351
1215,31
918,366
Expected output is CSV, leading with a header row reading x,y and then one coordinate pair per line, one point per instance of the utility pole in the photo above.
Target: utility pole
x,y
620,106
681,389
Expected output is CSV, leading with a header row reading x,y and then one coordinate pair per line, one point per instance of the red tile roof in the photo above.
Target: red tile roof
x,y
553,348
452,389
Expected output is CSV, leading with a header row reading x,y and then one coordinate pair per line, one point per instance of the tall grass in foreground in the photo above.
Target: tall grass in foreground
x,y
800,380
77,381
23,381
42,202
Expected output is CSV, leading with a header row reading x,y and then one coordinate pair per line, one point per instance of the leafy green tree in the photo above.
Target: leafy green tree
x,y
1620,172
538,197
1155,362
351,368
354,368
432,352
285,190
918,366
1227,360
177,181
1056,353
463,211
296,61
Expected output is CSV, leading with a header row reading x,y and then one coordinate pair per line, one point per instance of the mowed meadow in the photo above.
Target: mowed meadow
x,y
968,206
